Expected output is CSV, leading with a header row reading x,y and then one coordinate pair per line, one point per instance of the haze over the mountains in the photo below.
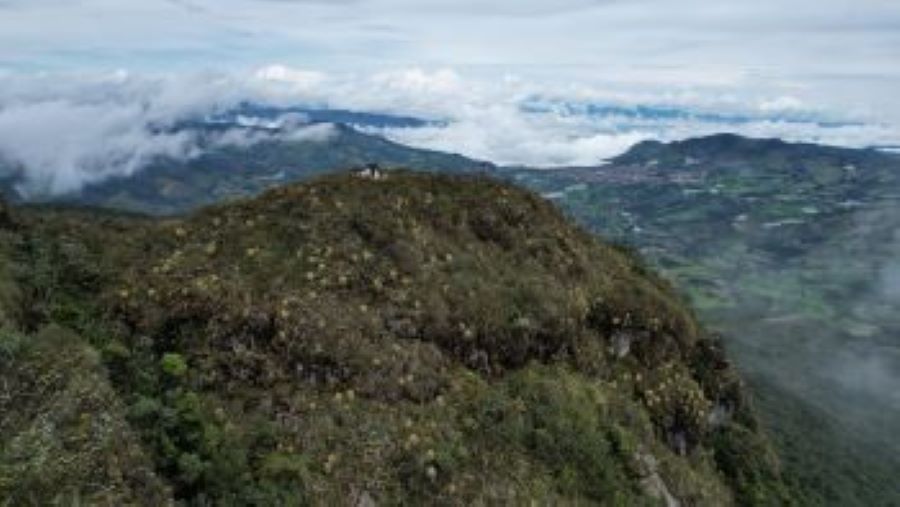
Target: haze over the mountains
x,y
72,129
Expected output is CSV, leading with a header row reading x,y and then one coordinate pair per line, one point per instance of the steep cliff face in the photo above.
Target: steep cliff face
x,y
412,338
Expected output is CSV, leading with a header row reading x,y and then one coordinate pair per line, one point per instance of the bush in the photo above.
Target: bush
x,y
173,365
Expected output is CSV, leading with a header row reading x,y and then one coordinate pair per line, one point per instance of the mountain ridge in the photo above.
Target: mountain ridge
x,y
717,226
300,347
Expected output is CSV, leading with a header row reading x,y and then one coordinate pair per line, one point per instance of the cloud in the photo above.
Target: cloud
x,y
291,132
293,81
63,145
67,130
64,133
788,38
843,55
872,373
189,6
323,2
585,123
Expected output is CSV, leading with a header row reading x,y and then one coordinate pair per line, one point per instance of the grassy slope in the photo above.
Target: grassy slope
x,y
424,338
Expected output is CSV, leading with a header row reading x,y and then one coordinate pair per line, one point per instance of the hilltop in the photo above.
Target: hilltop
x,y
417,338
733,147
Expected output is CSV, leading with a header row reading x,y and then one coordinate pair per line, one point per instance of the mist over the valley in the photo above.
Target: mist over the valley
x,y
61,140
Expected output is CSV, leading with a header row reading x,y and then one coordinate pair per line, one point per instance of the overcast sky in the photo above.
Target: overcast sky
x,y
821,37
472,62
839,53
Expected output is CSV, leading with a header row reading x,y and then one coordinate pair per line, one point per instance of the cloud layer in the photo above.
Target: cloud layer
x,y
529,118
62,133
816,70
67,130
844,51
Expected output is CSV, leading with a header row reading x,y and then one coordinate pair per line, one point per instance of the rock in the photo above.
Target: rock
x,y
720,415
651,481
621,343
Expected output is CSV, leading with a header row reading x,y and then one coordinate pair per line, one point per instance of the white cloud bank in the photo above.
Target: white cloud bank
x,y
63,145
69,130
492,117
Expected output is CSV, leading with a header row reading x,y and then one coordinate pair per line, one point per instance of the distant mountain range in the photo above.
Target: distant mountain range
x,y
223,172
655,113
251,110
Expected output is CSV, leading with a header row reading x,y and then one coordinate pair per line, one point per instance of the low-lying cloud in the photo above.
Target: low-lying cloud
x,y
495,119
66,131
60,138
62,146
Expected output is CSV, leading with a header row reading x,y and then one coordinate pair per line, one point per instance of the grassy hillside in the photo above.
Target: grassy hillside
x,y
419,339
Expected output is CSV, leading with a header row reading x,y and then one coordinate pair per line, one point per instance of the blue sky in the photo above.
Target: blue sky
x,y
790,67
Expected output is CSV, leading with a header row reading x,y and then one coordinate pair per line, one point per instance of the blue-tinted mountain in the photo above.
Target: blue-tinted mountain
x,y
323,115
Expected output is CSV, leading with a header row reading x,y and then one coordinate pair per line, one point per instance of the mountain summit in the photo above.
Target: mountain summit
x,y
407,339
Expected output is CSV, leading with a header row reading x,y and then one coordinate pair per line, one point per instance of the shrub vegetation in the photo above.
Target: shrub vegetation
x,y
416,339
